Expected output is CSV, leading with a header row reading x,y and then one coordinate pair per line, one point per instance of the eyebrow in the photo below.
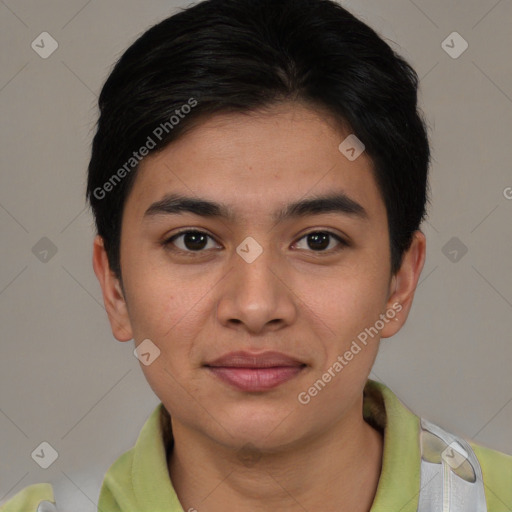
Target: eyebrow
x,y
175,204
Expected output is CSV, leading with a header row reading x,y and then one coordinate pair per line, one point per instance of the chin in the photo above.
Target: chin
x,y
264,426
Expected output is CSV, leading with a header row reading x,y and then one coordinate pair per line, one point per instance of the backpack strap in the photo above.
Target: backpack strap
x,y
46,506
451,476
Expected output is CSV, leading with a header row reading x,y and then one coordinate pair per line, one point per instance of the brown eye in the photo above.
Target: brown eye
x,y
189,241
320,241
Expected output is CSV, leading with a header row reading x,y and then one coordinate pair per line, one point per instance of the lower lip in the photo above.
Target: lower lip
x,y
256,379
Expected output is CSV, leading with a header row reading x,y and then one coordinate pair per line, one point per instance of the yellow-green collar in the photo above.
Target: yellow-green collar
x,y
145,465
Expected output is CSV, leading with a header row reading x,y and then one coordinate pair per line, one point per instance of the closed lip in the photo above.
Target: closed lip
x,y
243,359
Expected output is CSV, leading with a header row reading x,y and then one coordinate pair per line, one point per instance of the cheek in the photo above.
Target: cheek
x,y
160,298
347,301
171,309
349,345
166,310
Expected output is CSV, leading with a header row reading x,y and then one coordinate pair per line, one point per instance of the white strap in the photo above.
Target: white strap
x,y
46,506
451,477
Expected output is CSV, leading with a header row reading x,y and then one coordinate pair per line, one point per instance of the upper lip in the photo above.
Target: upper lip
x,y
242,359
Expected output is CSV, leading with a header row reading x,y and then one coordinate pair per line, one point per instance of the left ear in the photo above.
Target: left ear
x,y
403,284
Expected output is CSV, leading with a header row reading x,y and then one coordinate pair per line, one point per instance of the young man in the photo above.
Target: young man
x,y
258,179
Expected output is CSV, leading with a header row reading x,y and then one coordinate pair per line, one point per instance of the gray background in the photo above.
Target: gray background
x,y
64,379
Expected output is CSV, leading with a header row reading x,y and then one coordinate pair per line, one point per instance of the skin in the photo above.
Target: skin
x,y
293,298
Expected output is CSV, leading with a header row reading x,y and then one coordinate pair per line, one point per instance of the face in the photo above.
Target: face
x,y
293,257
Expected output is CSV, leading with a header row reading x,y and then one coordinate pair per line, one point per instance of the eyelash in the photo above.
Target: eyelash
x,y
168,243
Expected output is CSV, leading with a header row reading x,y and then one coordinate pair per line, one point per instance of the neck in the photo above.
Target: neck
x,y
340,466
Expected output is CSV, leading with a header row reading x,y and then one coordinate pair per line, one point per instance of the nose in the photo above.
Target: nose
x,y
257,294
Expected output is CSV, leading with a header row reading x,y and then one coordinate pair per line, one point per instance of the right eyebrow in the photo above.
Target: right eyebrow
x,y
339,202
174,204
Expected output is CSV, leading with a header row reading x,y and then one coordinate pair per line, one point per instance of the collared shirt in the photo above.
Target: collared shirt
x,y
138,481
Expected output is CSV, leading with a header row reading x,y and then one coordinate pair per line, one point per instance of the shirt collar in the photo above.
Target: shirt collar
x,y
399,481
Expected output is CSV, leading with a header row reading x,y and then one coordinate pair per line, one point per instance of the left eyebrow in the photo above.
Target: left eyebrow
x,y
329,203
175,204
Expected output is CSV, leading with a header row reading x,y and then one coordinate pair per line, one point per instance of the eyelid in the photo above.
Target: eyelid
x,y
330,231
342,241
168,240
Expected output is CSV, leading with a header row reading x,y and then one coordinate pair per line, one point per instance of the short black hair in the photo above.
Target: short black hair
x,y
221,56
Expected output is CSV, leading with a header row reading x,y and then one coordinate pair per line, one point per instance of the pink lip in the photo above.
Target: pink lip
x,y
256,379
255,372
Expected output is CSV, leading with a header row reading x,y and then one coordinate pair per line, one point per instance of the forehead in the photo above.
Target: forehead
x,y
257,160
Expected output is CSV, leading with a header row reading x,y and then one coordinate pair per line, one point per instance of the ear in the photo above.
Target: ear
x,y
113,296
403,284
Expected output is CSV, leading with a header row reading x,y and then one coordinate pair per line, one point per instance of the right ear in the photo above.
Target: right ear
x,y
113,296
